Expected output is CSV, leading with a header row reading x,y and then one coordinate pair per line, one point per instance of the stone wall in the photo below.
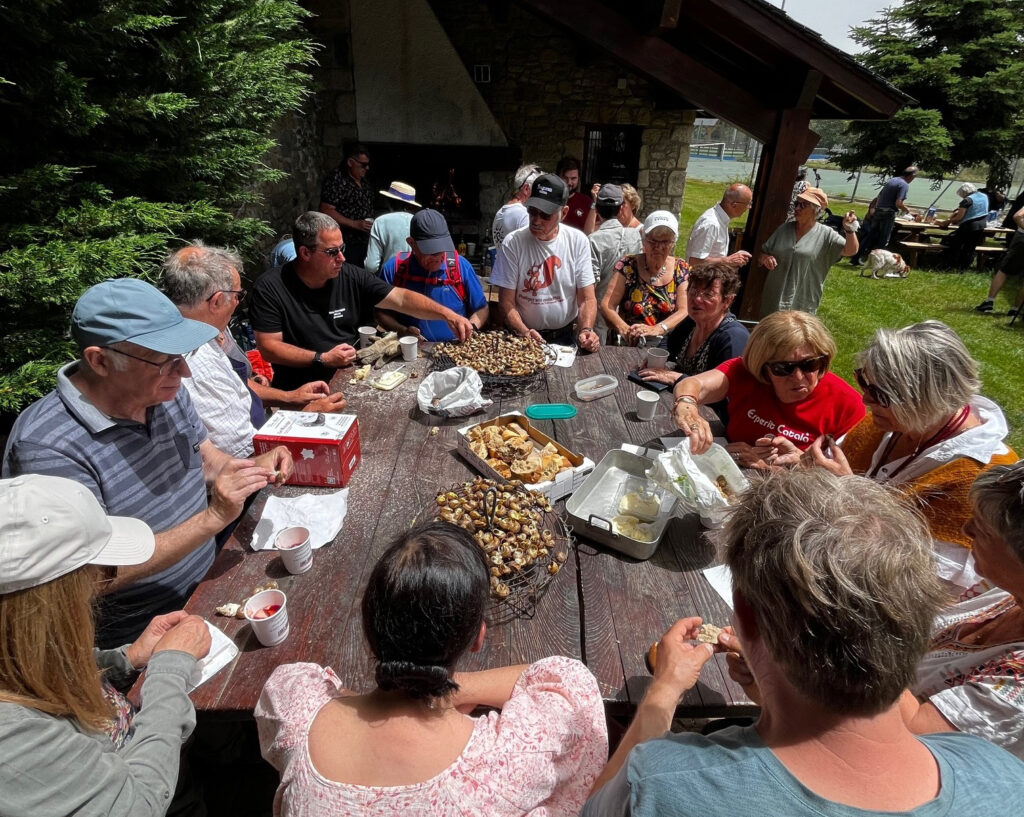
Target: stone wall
x,y
546,87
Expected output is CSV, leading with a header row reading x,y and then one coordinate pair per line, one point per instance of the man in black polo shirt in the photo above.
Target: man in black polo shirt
x,y
307,314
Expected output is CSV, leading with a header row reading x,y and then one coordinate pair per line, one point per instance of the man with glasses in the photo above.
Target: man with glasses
x,y
306,315
709,239
205,284
348,199
544,275
120,424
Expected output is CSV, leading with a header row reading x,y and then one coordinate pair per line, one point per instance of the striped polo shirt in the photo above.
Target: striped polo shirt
x,y
151,471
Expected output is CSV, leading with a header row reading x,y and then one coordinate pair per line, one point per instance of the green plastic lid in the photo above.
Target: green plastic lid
x,y
550,411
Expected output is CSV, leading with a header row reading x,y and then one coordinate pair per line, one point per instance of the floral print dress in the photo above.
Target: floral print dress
x,y
644,303
539,756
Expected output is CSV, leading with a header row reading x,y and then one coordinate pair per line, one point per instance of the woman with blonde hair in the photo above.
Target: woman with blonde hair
x,y
69,742
781,387
631,205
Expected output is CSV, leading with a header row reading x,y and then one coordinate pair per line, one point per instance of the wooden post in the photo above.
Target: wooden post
x,y
780,160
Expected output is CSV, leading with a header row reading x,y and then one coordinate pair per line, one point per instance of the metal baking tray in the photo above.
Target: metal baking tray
x,y
596,501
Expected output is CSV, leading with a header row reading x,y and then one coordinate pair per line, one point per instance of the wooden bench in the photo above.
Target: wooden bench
x,y
983,251
910,249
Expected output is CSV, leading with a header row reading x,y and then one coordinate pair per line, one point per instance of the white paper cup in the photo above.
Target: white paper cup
x,y
410,345
367,335
470,248
657,358
647,404
272,630
295,549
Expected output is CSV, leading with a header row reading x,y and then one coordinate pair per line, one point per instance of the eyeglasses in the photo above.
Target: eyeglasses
x,y
164,367
238,293
875,394
660,242
363,165
800,204
331,252
809,365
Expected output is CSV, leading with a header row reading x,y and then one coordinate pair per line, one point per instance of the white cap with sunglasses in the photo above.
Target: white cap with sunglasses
x,y
51,526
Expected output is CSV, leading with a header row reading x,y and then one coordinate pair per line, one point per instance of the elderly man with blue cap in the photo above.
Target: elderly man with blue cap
x,y
120,424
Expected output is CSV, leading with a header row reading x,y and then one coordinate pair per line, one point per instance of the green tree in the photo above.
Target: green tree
x,y
128,124
963,63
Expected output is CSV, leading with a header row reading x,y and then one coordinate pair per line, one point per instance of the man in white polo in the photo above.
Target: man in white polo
x,y
543,273
709,238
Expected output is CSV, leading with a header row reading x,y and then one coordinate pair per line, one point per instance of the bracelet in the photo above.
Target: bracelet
x,y
317,359
584,329
685,398
664,328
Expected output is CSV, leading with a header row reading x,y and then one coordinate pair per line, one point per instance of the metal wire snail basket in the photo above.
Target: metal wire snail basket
x,y
508,521
499,384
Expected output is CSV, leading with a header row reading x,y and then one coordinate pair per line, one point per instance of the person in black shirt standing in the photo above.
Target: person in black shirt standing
x,y
346,197
306,315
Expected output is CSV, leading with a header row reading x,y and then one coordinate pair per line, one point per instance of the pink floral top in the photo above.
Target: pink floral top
x,y
538,756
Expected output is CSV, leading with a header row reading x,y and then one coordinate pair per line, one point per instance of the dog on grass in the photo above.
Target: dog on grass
x,y
885,264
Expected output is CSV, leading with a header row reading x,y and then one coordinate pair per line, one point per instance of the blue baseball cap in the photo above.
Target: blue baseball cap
x,y
127,309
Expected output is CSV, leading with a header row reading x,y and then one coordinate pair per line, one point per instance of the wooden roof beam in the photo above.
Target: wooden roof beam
x,y
660,62
667,13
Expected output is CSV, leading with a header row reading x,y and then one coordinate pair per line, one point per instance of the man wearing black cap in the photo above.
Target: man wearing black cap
x,y
435,270
544,275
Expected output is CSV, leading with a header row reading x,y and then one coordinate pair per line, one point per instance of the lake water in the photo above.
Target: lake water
x,y
833,182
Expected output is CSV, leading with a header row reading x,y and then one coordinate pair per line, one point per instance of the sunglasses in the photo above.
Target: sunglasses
x,y
364,165
809,365
875,394
332,252
800,204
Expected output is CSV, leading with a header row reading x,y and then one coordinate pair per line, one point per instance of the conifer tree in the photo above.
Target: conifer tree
x,y
963,63
129,124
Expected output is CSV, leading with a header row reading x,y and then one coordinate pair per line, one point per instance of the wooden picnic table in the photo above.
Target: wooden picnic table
x,y
914,237
603,608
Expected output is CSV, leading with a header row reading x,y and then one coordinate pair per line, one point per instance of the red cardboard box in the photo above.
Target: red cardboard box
x,y
325,447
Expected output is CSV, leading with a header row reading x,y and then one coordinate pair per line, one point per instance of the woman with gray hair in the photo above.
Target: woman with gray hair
x,y
834,596
971,216
799,254
970,680
929,433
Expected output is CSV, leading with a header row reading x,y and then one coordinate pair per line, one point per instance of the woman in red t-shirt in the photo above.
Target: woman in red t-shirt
x,y
780,387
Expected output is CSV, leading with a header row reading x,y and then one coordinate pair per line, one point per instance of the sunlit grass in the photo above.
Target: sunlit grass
x,y
853,307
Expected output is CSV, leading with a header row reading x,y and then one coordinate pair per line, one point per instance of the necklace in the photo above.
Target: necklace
x,y
951,427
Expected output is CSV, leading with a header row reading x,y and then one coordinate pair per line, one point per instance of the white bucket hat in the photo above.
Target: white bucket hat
x,y
50,526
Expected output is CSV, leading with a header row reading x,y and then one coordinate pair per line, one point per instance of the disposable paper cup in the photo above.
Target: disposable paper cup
x,y
295,549
410,345
273,630
647,404
367,335
657,358
470,249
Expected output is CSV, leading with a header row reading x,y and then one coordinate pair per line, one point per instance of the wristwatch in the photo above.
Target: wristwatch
x,y
584,329
664,328
317,358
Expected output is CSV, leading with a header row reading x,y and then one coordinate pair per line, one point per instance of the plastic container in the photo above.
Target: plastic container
x,y
592,388
550,411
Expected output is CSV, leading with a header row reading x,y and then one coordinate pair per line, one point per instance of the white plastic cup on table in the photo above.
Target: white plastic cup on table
x,y
647,404
410,345
269,625
367,335
470,249
296,550
657,358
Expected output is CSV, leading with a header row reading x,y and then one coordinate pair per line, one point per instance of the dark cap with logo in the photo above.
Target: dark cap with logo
x,y
430,232
548,194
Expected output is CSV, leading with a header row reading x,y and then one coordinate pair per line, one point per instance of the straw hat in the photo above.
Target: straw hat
x,y
402,192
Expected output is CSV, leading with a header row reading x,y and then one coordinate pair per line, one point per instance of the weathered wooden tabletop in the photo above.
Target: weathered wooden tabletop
x,y
603,608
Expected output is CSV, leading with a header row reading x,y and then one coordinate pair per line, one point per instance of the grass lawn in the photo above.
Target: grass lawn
x,y
853,307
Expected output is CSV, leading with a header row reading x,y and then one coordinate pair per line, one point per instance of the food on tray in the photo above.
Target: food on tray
x,y
511,452
643,505
498,354
627,525
514,538
708,634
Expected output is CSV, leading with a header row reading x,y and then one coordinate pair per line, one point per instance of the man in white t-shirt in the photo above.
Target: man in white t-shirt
x,y
543,273
709,238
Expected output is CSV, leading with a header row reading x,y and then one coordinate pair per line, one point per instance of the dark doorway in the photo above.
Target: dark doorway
x,y
612,153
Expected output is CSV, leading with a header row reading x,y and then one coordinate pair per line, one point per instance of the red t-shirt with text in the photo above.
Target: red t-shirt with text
x,y
834,407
